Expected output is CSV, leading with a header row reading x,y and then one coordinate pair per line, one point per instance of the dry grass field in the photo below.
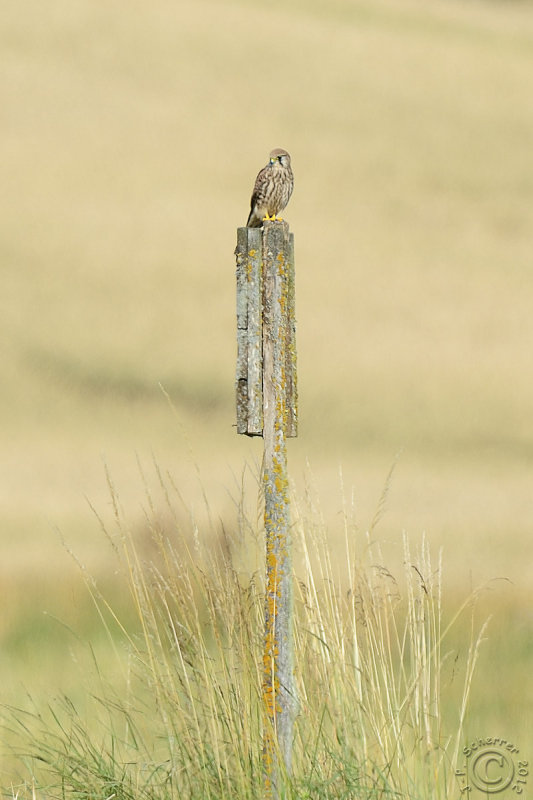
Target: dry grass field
x,y
131,136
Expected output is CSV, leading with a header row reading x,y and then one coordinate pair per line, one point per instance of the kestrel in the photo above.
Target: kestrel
x,y
272,190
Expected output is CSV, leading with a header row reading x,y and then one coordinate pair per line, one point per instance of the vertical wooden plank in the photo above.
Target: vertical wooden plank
x,y
241,376
248,379
242,299
254,278
278,678
291,382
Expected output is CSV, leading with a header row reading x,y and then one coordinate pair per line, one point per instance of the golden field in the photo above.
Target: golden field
x,y
131,136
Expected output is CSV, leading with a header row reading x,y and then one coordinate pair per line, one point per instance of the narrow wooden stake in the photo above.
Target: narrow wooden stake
x,y
279,420
278,680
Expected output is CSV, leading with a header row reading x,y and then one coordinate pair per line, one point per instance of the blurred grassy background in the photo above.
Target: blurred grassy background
x,y
131,137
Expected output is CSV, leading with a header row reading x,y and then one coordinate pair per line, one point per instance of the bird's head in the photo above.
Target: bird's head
x,y
279,156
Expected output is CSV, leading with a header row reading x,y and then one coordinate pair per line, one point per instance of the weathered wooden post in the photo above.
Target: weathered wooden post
x,y
266,391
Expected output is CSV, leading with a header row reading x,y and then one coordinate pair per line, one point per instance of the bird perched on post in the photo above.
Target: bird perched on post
x,y
272,190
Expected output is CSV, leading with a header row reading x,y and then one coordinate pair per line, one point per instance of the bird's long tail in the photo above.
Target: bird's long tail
x,y
253,220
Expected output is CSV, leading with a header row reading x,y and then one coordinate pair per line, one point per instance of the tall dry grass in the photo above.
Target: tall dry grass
x,y
183,719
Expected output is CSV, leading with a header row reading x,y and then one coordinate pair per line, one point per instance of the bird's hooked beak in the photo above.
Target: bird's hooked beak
x,y
274,159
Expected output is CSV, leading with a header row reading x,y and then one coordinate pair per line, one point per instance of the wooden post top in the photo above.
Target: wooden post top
x,y
260,252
